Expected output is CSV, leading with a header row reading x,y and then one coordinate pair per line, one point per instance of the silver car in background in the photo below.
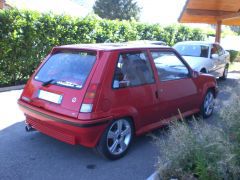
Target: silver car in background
x,y
205,57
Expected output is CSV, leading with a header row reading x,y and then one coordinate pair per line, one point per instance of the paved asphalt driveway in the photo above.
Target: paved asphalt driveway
x,y
36,156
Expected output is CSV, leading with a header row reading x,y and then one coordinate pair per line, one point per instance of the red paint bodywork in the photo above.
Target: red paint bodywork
x,y
148,106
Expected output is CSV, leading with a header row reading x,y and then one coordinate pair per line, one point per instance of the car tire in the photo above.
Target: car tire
x,y
207,106
225,73
116,139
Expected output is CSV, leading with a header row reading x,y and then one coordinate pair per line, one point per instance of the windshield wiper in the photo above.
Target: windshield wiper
x,y
69,84
63,83
51,81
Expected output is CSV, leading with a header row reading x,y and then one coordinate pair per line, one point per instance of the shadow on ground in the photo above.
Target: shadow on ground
x,y
235,72
226,89
34,155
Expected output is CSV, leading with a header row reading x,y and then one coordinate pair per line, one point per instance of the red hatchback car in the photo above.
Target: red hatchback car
x,y
101,95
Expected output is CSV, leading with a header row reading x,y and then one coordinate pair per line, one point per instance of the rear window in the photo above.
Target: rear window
x,y
192,50
70,69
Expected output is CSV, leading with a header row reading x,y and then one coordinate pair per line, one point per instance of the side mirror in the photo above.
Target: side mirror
x,y
214,56
195,74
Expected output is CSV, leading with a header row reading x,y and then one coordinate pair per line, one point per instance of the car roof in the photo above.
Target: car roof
x,y
111,46
148,42
196,43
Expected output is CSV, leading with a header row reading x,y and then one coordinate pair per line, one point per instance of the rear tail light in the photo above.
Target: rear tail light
x,y
87,105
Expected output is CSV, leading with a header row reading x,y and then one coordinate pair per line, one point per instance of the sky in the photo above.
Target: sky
x,y
153,11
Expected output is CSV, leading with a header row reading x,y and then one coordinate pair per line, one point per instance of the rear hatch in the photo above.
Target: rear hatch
x,y
61,81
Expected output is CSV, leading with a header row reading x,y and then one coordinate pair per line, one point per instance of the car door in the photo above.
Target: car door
x,y
134,87
176,89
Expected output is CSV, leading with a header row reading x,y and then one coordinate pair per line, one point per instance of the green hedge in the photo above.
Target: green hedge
x,y
233,55
26,37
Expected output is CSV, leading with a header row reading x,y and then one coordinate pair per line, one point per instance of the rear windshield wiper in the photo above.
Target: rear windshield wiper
x,y
51,81
69,84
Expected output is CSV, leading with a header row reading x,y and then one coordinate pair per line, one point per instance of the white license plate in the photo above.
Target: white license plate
x,y
51,97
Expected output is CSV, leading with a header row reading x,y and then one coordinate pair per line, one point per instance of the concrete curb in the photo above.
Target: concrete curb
x,y
10,88
154,176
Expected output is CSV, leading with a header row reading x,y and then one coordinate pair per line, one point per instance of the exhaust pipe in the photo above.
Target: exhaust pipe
x,y
29,128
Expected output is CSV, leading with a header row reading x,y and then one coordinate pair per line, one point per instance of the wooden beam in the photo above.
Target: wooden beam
x,y
201,12
218,31
183,10
229,16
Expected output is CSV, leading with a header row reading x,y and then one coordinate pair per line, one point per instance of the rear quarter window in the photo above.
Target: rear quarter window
x,y
133,69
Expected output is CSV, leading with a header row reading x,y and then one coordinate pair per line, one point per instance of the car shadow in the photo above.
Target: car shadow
x,y
234,72
33,154
226,89
229,82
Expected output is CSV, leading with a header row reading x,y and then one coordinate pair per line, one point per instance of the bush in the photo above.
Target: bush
x,y
233,55
202,152
231,122
26,37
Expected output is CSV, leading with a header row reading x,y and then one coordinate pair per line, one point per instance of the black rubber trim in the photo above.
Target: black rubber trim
x,y
64,121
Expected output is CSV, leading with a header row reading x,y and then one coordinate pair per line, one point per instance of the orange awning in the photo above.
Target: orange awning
x,y
211,11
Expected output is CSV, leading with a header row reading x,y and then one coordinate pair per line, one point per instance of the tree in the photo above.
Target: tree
x,y
235,29
117,9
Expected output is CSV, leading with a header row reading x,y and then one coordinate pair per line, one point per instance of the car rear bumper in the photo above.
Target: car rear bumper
x,y
68,130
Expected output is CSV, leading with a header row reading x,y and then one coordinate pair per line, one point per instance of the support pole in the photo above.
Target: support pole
x,y
218,31
2,3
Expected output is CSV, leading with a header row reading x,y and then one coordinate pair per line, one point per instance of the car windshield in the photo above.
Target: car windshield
x,y
67,68
192,50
